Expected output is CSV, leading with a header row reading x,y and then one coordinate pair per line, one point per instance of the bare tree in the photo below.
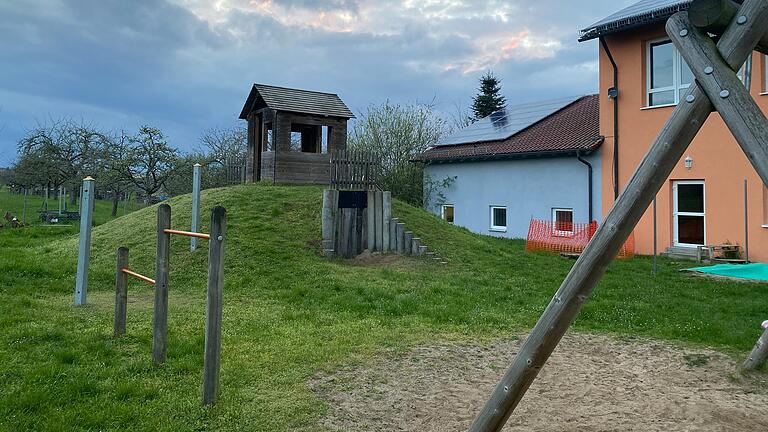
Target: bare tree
x,y
222,144
151,161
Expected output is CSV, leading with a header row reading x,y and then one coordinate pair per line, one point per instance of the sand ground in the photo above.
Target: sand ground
x,y
591,383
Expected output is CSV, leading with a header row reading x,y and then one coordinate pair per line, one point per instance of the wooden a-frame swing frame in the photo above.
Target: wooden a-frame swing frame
x,y
717,88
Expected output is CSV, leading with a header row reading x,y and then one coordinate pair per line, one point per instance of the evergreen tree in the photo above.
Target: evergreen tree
x,y
489,99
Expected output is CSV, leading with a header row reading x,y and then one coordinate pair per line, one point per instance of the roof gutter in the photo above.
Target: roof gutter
x,y
613,94
590,185
511,156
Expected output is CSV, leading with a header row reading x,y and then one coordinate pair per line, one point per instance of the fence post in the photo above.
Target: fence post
x,y
160,320
84,252
213,309
196,170
121,291
328,216
24,213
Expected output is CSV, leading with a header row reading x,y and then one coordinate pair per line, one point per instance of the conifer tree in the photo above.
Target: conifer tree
x,y
489,99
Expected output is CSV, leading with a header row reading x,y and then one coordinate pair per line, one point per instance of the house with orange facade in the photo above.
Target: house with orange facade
x,y
713,196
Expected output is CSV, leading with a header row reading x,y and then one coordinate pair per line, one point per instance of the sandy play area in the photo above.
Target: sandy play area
x,y
591,383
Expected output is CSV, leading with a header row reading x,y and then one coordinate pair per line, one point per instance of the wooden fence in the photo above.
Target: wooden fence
x,y
234,169
354,169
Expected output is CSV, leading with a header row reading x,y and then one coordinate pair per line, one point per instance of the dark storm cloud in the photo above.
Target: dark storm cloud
x,y
186,65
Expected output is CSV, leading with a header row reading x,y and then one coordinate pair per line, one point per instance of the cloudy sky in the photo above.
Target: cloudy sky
x,y
187,65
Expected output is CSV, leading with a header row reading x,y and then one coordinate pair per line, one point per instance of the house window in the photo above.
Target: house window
x,y
447,213
562,221
668,74
498,218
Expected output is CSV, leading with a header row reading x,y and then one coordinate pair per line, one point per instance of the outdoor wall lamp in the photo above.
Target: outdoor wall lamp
x,y
688,163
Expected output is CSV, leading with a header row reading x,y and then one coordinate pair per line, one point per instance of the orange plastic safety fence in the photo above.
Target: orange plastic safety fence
x,y
568,237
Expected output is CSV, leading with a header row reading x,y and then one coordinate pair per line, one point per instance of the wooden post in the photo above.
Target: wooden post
x,y
214,306
723,87
371,222
393,234
715,16
400,238
121,291
672,141
330,204
162,268
758,354
386,215
196,173
415,244
407,242
84,251
422,250
379,220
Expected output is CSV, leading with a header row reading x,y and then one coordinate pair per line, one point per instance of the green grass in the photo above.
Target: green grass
x,y
14,203
290,313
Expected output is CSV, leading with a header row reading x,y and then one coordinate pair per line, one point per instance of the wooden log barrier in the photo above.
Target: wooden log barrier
x,y
121,292
162,268
400,238
393,234
371,221
386,215
415,244
214,306
669,146
407,243
379,221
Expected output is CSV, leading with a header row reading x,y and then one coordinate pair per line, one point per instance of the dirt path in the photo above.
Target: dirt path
x,y
591,383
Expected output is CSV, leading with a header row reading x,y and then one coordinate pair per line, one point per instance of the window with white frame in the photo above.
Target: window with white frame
x,y
562,221
447,213
498,218
668,75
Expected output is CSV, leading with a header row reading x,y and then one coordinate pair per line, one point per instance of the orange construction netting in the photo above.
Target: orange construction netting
x,y
568,237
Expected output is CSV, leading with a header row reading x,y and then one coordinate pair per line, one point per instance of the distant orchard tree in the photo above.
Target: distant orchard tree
x,y
489,99
151,161
223,144
397,133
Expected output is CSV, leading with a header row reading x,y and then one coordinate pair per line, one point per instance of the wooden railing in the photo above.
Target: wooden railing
x,y
354,169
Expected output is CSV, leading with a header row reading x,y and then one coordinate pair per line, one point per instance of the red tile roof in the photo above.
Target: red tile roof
x,y
575,127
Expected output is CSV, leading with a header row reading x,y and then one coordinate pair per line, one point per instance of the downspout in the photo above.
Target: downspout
x,y
613,93
589,183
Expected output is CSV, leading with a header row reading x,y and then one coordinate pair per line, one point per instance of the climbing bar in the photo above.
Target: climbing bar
x,y
188,234
138,276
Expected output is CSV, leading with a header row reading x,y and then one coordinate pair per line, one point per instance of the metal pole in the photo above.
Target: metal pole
x,y
746,221
196,170
214,306
84,253
655,242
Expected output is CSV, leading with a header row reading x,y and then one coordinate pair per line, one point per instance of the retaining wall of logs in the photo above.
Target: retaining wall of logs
x,y
355,221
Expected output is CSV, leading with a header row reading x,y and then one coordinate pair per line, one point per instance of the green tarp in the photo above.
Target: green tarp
x,y
754,271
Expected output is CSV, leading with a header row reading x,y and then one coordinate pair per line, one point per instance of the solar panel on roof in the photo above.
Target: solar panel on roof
x,y
506,123
637,9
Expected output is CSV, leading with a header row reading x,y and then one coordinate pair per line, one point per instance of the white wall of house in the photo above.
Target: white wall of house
x,y
526,188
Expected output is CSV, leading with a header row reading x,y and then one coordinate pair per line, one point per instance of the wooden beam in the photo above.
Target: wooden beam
x,y
214,306
121,292
162,269
724,88
758,355
714,16
671,143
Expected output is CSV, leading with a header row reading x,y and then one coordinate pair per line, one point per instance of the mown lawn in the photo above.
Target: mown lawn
x,y
290,313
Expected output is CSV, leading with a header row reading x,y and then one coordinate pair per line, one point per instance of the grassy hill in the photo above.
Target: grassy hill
x,y
290,313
